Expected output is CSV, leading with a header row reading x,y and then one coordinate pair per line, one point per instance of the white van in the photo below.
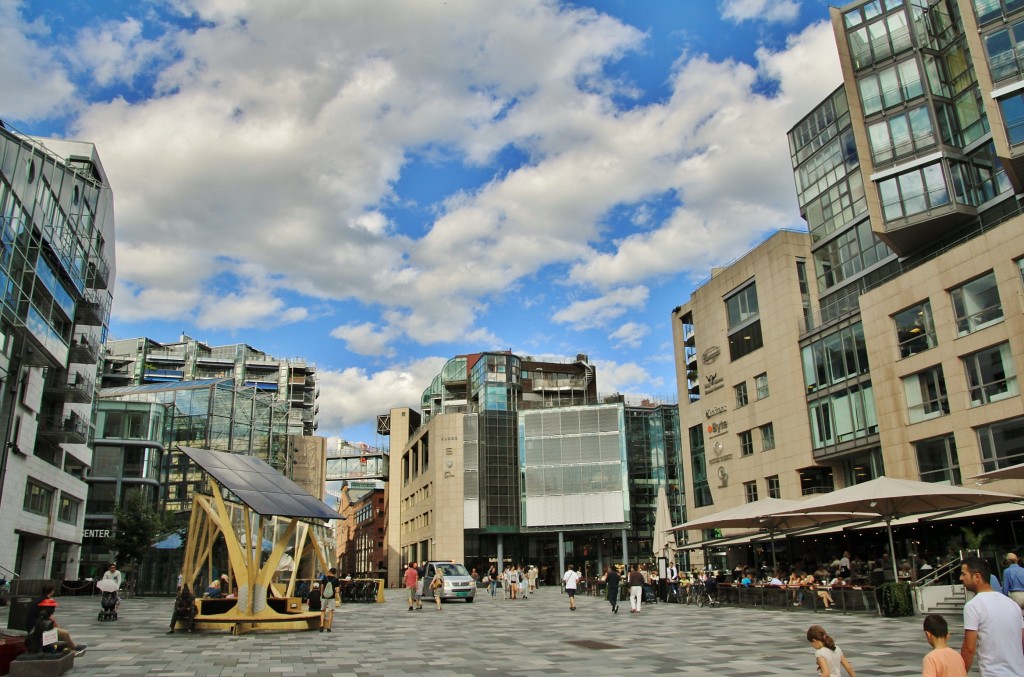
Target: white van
x,y
458,584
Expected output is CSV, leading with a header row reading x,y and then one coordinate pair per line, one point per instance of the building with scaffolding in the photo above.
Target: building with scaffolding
x,y
56,272
519,460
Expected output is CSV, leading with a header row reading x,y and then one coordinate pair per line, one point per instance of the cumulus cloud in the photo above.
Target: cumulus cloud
x,y
629,335
598,312
365,338
760,10
353,397
627,378
33,82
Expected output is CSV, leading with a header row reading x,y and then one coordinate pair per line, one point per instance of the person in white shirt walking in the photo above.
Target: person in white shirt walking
x,y
993,627
571,578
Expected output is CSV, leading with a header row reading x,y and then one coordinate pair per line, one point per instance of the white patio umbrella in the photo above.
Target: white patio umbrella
x,y
1013,472
891,499
770,514
663,540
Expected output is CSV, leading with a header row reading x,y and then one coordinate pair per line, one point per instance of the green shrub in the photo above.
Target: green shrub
x,y
896,599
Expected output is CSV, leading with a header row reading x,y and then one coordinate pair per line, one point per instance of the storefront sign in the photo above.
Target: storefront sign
x,y
710,355
712,383
715,411
96,533
718,428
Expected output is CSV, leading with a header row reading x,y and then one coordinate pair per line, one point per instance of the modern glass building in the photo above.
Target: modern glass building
x,y
518,460
56,272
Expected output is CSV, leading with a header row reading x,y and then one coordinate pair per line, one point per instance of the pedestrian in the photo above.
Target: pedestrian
x,y
112,574
570,579
329,596
672,576
437,586
1013,580
612,578
635,579
411,579
45,622
492,575
184,609
993,625
531,576
512,579
829,656
315,600
941,661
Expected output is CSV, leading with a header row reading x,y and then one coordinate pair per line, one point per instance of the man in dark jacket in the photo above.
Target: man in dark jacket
x,y
612,577
184,609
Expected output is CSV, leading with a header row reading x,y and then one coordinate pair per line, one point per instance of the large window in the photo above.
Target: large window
x,y
1004,49
926,394
744,323
1012,108
937,460
876,30
915,331
767,437
746,443
993,10
69,509
38,499
1002,444
835,358
901,135
913,192
990,375
750,491
843,416
890,87
976,304
701,488
848,254
816,480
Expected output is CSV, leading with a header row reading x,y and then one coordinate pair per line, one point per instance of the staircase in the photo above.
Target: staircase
x,y
946,600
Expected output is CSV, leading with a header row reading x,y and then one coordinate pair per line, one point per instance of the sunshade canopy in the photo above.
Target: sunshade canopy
x,y
1013,472
257,485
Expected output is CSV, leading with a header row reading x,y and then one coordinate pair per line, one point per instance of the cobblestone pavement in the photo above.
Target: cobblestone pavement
x,y
539,636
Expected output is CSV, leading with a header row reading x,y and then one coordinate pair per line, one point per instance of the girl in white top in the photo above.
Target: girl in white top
x,y
827,654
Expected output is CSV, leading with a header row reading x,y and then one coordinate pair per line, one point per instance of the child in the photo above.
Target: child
x,y
941,661
315,599
828,655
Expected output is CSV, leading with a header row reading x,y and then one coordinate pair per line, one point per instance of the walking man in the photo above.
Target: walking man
x,y
636,589
672,574
411,578
612,577
1013,580
330,594
993,626
571,577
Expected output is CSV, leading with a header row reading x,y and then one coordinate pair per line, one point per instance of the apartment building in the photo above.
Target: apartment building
x,y
56,273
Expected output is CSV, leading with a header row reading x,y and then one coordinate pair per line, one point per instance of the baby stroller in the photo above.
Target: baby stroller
x,y
108,601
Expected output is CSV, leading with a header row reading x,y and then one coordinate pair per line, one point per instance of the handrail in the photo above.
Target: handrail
x,y
9,571
934,575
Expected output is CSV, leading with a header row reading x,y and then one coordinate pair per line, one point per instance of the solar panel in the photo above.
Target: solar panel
x,y
256,484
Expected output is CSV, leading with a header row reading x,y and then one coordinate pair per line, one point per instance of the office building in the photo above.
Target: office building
x,y
518,460
56,273
896,337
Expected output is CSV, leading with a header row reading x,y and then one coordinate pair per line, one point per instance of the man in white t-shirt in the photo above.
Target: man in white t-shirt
x,y
672,576
993,627
571,577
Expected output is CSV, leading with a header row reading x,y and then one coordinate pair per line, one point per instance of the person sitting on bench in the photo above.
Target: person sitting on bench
x,y
36,639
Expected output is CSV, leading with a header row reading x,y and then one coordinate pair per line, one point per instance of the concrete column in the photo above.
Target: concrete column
x,y
561,554
501,553
625,551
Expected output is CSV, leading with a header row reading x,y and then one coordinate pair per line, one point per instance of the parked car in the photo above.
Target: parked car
x,y
458,584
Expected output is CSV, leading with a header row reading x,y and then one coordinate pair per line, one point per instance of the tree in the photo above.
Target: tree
x,y
137,525
973,540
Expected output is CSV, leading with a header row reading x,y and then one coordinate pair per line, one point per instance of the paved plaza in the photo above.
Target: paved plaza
x,y
539,636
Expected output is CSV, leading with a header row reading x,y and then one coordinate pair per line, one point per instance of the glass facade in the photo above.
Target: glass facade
x,y
1002,444
937,460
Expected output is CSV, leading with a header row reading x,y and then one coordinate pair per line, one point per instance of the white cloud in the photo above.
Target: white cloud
x,y
365,338
629,335
760,10
33,83
600,311
627,378
354,397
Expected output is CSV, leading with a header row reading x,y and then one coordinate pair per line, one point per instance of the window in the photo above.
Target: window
x,y
816,480
68,511
741,394
913,192
992,10
767,437
761,383
835,358
750,491
915,331
890,87
774,488
842,416
976,304
926,394
701,489
901,134
990,375
38,499
937,460
744,324
1002,444
746,443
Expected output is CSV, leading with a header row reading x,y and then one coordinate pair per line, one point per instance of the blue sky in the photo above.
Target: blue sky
x,y
379,185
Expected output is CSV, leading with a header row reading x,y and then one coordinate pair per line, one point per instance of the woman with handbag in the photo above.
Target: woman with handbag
x,y
437,586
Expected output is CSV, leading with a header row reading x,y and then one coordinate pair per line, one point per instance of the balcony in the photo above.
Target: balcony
x,y
93,309
74,388
97,275
154,375
84,349
63,429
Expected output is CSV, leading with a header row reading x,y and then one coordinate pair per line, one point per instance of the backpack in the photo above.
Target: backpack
x,y
328,589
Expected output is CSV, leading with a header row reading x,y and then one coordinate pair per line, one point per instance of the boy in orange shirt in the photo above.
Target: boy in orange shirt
x,y
941,661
